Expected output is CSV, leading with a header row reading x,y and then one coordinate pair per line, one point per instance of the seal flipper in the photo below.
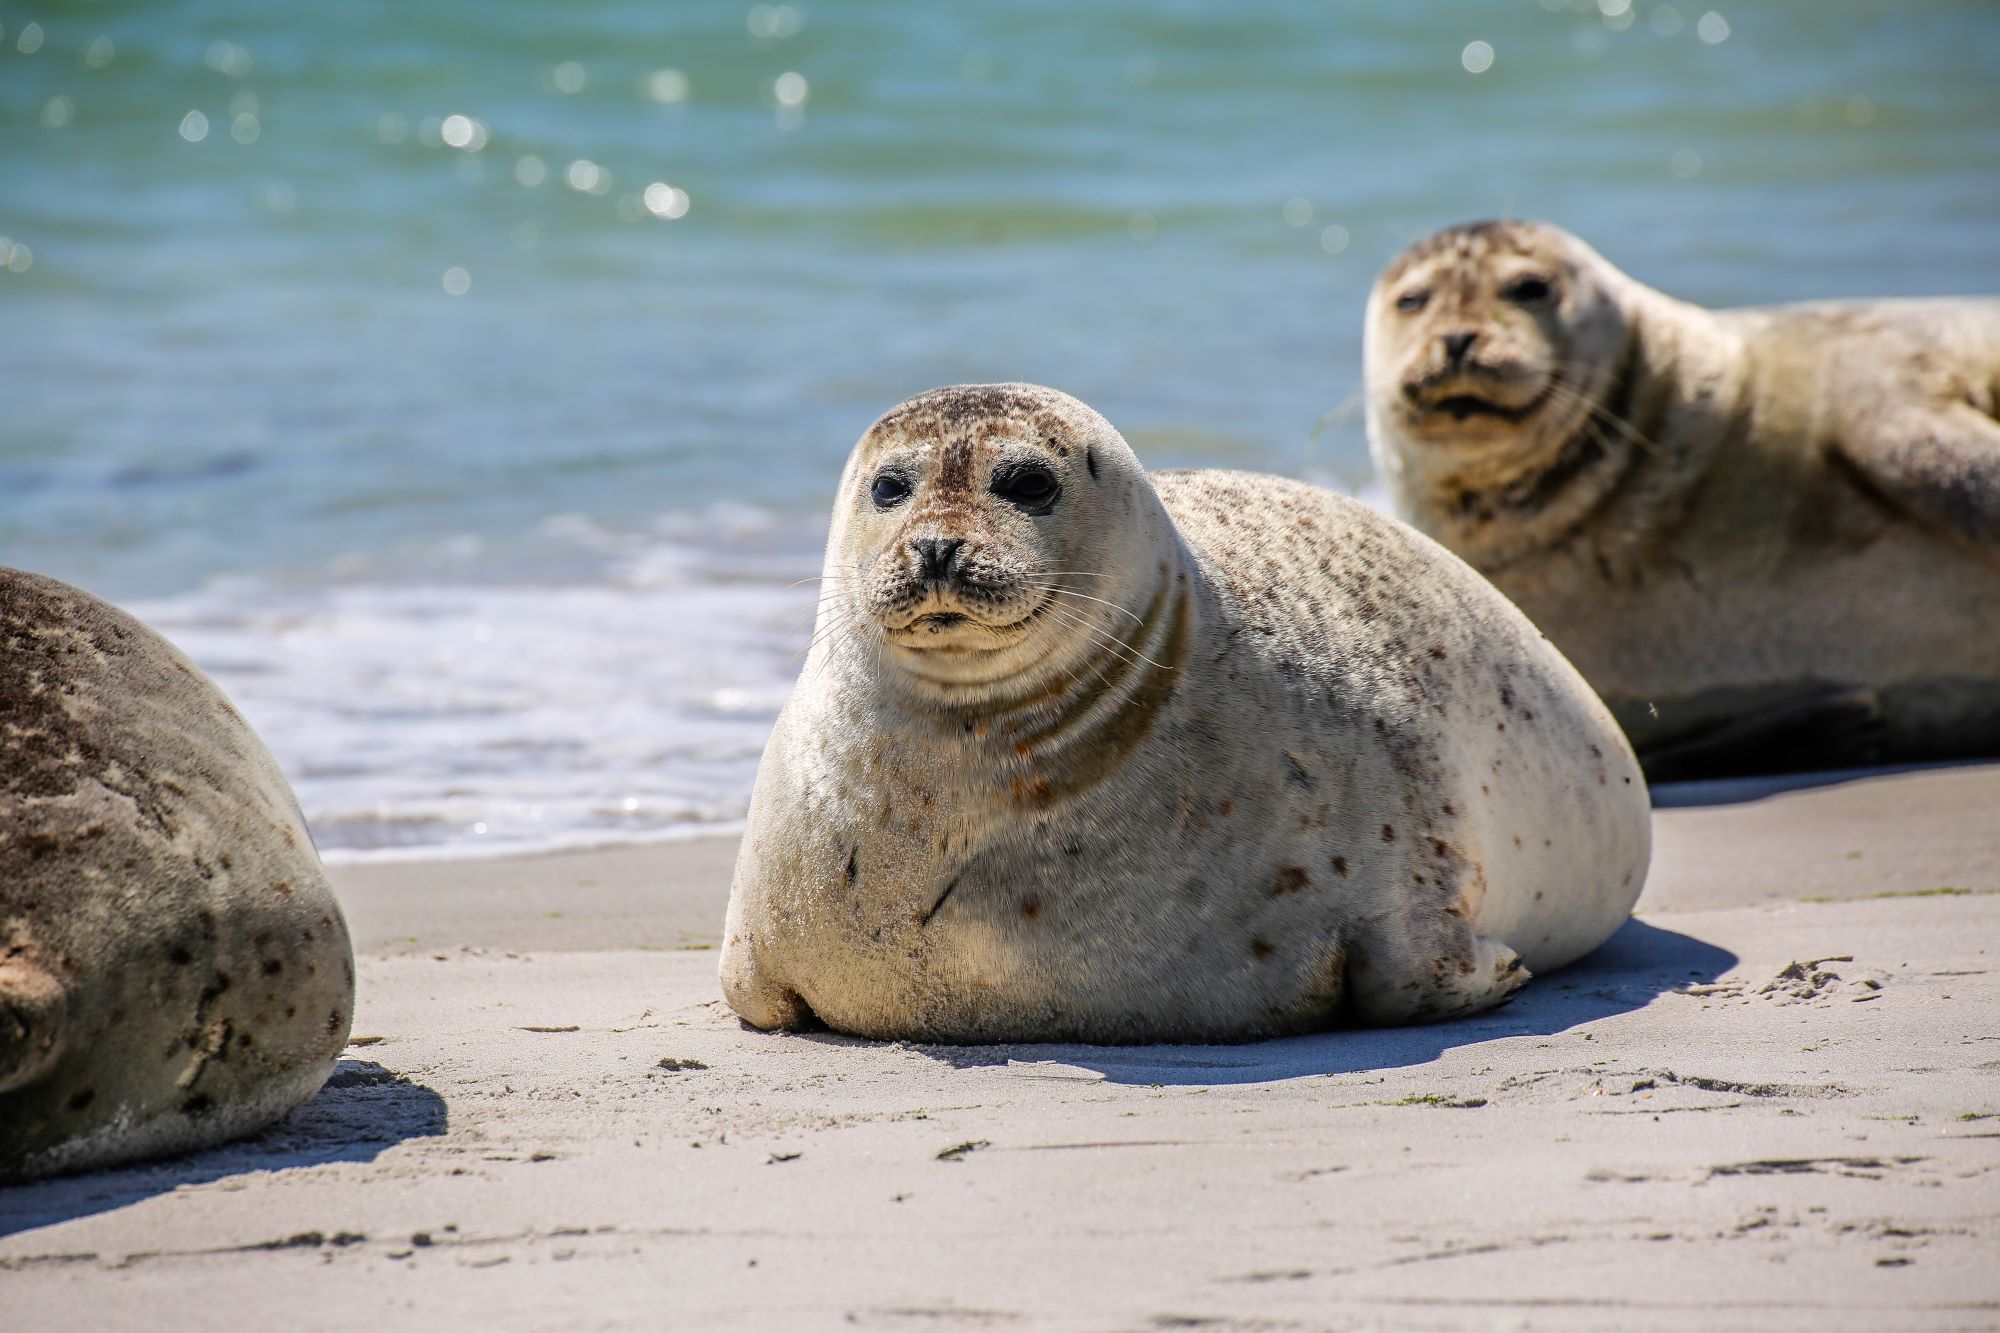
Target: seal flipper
x,y
1834,729
33,1005
758,999
1391,987
1943,467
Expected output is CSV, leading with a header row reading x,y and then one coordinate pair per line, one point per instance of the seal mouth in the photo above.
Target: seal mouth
x,y
1463,406
959,632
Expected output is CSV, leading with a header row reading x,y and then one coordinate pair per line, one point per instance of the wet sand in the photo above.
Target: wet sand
x,y
1771,1100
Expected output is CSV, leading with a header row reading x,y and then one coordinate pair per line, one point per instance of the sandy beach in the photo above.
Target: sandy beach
x,y
1772,1100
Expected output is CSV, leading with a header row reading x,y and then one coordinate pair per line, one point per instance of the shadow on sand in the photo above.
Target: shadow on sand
x,y
362,1110
1634,966
1739,791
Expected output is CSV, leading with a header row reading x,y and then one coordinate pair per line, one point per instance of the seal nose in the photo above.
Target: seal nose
x,y
935,556
1456,345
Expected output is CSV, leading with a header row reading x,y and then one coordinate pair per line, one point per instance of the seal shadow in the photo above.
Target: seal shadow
x,y
1637,964
362,1109
1692,793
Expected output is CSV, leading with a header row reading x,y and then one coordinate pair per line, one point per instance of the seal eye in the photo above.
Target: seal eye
x,y
1526,291
890,491
1411,302
1031,486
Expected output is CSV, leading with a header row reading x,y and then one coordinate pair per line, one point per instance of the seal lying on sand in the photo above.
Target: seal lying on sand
x,y
174,971
1769,537
1076,758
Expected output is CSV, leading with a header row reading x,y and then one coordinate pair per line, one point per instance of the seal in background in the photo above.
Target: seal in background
x,y
1770,538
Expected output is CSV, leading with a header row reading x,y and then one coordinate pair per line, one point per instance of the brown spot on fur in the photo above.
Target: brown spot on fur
x,y
1261,949
1290,879
1031,907
1340,865
1388,833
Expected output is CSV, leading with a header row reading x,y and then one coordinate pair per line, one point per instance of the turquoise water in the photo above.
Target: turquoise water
x,y
507,567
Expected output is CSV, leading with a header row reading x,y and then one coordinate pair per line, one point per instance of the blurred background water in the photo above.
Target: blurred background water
x,y
463,384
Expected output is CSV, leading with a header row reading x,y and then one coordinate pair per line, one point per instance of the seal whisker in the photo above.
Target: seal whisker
x,y
1105,636
1071,592
1603,415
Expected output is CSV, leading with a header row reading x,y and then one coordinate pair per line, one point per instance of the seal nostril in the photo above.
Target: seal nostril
x,y
1456,345
935,556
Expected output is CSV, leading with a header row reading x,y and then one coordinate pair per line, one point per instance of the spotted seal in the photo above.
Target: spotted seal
x,y
1770,538
174,971
1080,753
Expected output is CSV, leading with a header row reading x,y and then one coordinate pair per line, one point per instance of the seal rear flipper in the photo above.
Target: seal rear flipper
x,y
1391,987
1835,729
33,1006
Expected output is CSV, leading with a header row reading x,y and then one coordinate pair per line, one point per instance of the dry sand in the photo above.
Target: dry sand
x,y
1769,1103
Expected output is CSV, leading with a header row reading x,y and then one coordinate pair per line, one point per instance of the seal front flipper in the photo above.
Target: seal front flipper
x,y
33,1006
757,998
1943,467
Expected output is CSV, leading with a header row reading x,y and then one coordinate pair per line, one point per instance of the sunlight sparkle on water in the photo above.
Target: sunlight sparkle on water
x,y
569,77
774,22
1712,28
30,40
226,57
586,177
1334,239
194,127
666,85
1298,212
99,53
245,128
1477,57
666,201
530,171
57,112
463,132
457,282
791,89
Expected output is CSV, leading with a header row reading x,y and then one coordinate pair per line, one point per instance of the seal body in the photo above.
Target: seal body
x,y
1770,538
1083,758
174,971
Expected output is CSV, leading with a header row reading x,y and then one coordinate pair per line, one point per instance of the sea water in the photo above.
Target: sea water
x,y
464,385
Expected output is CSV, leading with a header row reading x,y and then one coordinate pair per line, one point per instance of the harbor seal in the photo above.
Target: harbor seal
x,y
1082,754
174,971
1770,538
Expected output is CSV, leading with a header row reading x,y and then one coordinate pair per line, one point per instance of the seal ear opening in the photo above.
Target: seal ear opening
x,y
33,1007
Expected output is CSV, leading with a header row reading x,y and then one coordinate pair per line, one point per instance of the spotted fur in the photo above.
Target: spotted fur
x,y
1130,777
174,971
